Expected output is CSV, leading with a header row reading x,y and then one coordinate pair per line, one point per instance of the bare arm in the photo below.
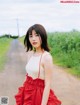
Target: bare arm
x,y
48,66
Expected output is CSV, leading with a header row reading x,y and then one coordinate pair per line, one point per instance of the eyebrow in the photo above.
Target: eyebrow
x,y
31,33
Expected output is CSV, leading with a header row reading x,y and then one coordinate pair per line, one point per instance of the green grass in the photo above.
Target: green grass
x,y
4,47
65,49
21,39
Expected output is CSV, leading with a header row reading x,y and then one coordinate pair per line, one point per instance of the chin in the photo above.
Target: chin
x,y
35,46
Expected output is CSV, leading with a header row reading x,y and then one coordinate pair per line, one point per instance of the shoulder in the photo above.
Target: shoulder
x,y
30,52
47,57
47,61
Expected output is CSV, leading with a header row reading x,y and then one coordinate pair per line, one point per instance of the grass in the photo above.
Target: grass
x,y
4,47
65,49
21,39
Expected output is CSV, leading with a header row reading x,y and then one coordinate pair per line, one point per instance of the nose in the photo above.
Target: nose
x,y
33,38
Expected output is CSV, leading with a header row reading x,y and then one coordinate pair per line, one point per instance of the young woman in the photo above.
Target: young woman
x,y
36,89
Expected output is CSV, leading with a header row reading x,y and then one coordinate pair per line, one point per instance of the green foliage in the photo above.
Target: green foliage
x,y
4,46
9,36
65,48
21,39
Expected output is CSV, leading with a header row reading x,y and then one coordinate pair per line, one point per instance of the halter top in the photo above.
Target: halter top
x,y
34,67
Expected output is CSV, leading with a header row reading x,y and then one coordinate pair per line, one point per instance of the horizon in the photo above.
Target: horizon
x,y
73,30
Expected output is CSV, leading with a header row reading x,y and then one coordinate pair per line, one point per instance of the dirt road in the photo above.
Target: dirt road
x,y
65,86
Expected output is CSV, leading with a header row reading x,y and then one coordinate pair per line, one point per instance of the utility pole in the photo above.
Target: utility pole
x,y
17,26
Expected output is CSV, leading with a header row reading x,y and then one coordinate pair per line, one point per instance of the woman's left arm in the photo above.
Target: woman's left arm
x,y
48,67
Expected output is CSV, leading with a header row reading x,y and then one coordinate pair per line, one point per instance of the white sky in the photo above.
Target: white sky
x,y
52,14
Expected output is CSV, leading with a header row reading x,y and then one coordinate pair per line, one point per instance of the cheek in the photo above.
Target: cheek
x,y
30,40
40,40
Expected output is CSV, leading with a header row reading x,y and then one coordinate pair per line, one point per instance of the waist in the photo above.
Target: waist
x,y
36,81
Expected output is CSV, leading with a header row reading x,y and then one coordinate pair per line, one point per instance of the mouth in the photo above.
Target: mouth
x,y
34,43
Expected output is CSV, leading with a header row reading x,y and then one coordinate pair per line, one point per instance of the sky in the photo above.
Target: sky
x,y
53,15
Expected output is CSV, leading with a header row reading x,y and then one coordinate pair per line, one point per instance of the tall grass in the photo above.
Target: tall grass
x,y
65,49
4,47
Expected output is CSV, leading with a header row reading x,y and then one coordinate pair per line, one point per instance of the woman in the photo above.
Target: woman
x,y
36,89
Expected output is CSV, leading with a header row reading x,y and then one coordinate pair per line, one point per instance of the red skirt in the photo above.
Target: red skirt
x,y
31,93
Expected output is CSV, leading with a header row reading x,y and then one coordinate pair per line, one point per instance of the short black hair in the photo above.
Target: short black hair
x,y
39,29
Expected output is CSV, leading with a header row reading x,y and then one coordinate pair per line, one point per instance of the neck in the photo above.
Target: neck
x,y
39,50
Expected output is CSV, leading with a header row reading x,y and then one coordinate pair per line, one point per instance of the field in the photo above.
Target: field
x,y
65,49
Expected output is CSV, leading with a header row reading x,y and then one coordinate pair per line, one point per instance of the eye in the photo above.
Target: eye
x,y
30,35
37,34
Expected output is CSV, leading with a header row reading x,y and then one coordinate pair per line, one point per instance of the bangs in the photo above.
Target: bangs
x,y
31,29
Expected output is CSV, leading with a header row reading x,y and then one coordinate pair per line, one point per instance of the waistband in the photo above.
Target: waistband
x,y
36,82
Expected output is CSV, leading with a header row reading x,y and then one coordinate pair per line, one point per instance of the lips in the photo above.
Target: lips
x,y
34,43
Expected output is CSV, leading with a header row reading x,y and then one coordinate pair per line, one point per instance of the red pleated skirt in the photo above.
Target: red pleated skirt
x,y
31,93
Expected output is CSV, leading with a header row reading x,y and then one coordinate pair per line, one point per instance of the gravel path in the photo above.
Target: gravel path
x,y
65,86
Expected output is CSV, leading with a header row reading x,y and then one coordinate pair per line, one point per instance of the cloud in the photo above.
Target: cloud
x,y
54,16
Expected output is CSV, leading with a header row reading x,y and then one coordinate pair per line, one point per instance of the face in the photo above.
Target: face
x,y
35,39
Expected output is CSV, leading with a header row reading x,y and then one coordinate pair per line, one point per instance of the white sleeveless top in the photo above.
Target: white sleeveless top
x,y
32,67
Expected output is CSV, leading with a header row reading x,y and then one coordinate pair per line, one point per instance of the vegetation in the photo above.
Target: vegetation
x,y
21,39
4,47
65,49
